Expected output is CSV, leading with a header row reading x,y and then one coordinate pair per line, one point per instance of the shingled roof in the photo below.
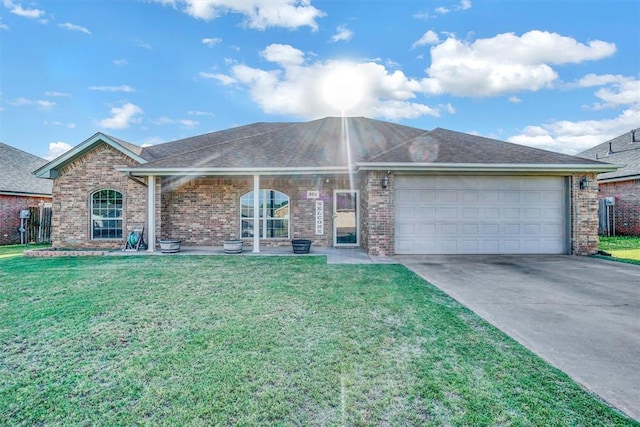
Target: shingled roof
x,y
334,142
15,172
331,144
621,150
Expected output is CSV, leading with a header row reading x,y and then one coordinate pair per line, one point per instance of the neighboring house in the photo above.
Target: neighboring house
x,y
623,184
387,188
19,190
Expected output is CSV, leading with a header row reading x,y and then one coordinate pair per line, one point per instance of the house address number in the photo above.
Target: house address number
x,y
313,194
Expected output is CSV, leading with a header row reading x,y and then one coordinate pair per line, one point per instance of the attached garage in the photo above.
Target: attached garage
x,y
459,214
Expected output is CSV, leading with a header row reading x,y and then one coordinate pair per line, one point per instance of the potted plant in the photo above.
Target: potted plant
x,y
232,246
170,245
301,246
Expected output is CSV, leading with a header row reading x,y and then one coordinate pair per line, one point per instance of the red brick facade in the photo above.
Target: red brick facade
x,y
205,211
627,208
72,191
10,207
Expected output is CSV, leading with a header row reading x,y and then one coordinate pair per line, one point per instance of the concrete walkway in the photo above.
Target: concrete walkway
x,y
580,314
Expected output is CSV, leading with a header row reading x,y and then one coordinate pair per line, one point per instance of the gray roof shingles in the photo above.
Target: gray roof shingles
x,y
624,151
332,141
15,172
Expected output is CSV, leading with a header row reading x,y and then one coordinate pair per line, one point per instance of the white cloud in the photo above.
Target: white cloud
x,y
515,100
464,5
57,149
164,120
43,104
312,90
73,27
120,61
57,123
572,137
343,34
619,91
211,42
430,37
17,9
121,88
259,14
57,94
2,25
283,54
200,113
122,117
143,44
152,141
505,63
442,10
222,78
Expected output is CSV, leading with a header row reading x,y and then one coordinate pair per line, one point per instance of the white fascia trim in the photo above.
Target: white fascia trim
x,y
21,194
619,179
46,170
497,167
233,171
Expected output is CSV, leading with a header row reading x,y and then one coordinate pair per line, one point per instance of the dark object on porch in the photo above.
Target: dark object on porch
x,y
232,246
301,246
135,241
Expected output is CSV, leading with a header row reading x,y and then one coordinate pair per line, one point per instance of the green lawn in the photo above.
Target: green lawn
x,y
186,340
622,247
16,250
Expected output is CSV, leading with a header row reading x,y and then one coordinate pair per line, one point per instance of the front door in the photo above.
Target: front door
x,y
345,218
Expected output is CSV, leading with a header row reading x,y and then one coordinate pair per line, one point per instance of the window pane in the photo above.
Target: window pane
x,y
274,214
106,214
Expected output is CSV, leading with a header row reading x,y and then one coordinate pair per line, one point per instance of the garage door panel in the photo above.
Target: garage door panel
x,y
490,215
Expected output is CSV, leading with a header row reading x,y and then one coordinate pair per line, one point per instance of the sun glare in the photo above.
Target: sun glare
x,y
343,88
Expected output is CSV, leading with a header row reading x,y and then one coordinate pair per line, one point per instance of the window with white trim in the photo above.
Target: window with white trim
x,y
106,214
274,215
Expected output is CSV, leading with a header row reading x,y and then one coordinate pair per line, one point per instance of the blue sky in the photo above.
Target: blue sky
x,y
559,75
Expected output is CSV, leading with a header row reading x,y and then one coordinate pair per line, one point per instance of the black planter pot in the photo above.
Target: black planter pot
x,y
301,246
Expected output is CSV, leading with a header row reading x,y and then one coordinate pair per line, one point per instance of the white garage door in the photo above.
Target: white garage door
x,y
480,215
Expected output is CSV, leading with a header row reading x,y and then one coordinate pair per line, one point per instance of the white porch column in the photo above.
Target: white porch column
x,y
256,213
151,213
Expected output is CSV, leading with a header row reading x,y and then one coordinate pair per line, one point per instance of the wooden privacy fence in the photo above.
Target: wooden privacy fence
x,y
38,226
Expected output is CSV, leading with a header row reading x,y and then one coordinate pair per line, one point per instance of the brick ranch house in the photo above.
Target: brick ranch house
x,y
353,182
623,184
19,190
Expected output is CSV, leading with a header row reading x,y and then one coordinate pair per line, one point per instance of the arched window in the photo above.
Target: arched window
x,y
106,214
274,215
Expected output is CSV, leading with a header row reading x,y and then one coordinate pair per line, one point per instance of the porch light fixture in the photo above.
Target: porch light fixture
x,y
385,181
584,183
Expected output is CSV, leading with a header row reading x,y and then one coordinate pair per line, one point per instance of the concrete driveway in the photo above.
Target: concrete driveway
x,y
580,314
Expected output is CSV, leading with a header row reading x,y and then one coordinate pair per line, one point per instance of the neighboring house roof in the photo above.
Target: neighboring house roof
x,y
333,144
15,171
622,150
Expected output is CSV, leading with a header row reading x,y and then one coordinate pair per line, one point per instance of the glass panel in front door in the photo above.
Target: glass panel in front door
x,y
346,218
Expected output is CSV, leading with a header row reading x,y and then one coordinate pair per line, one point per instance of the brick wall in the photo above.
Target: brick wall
x,y
377,225
627,209
584,216
206,211
94,171
10,207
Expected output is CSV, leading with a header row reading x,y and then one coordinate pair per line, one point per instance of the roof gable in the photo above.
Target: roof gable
x,y
621,150
16,166
50,170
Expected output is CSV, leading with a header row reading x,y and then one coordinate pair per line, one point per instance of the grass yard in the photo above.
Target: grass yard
x,y
623,247
186,340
